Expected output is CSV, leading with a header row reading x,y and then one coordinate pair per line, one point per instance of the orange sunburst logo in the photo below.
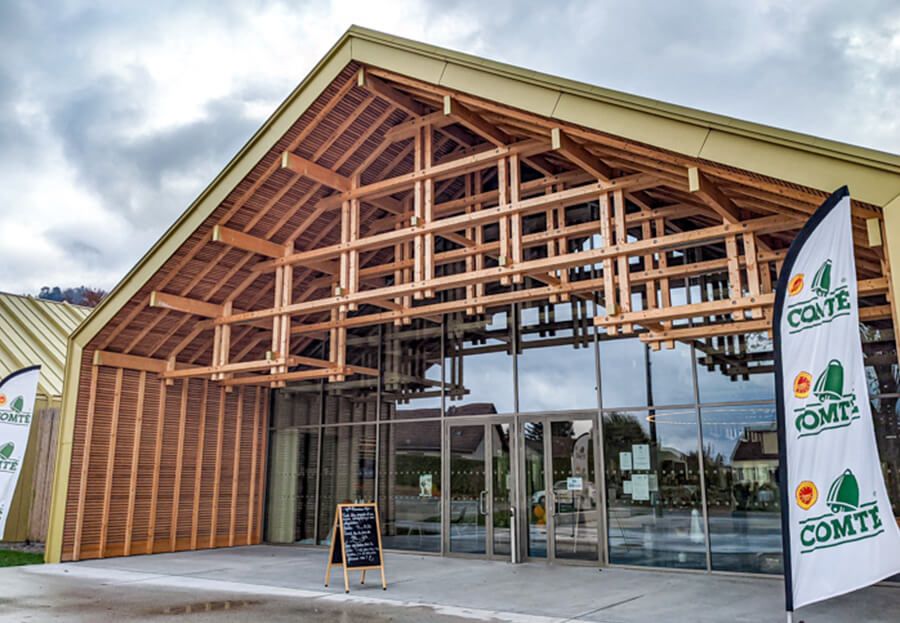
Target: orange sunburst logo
x,y
807,494
802,384
795,285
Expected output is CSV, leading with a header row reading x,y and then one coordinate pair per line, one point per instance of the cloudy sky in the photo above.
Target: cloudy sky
x,y
115,115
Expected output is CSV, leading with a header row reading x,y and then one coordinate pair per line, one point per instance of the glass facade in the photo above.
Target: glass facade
x,y
527,431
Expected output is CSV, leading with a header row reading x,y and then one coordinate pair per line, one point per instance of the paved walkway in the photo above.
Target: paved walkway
x,y
260,582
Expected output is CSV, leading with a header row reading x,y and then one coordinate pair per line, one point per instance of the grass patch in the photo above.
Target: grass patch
x,y
11,558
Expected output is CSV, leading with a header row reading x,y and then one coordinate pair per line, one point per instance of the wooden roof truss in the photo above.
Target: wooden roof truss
x,y
395,199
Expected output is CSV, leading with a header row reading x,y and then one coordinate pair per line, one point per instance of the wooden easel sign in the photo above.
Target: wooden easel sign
x,y
356,542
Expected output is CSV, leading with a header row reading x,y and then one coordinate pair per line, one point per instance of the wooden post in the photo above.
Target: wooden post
x,y
562,244
515,226
609,278
503,197
418,214
110,461
198,465
217,470
754,285
479,240
264,417
85,462
157,463
428,209
665,294
624,270
735,289
253,461
235,466
179,464
135,459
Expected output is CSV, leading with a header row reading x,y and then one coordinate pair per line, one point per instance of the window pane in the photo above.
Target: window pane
x,y
410,486
623,380
735,368
557,368
354,400
655,516
297,405
671,381
348,471
292,486
880,355
741,461
412,371
479,370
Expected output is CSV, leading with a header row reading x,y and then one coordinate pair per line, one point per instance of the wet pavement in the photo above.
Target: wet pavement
x,y
32,597
284,583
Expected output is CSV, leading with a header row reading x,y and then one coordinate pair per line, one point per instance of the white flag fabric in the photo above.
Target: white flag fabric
x,y
839,530
17,392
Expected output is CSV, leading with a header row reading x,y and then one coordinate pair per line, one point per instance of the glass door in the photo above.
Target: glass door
x,y
479,516
560,479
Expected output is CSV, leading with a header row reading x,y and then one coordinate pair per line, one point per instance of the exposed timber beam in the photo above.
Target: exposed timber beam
x,y
452,108
467,163
681,240
578,155
709,193
300,375
687,311
382,89
704,331
130,362
184,304
315,172
407,129
240,240
174,302
455,223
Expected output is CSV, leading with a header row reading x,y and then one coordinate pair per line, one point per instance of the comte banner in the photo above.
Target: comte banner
x,y
839,531
17,393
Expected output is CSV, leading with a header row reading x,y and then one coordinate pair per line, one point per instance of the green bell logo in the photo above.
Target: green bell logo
x,y
843,495
830,384
18,404
822,281
6,450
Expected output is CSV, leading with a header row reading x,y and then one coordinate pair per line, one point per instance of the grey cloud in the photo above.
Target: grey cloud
x,y
786,64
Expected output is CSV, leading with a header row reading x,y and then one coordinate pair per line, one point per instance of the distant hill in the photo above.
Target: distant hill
x,y
82,295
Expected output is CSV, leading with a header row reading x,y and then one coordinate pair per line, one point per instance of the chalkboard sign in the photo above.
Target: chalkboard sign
x,y
356,542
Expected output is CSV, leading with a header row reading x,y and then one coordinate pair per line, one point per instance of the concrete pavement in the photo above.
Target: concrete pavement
x,y
275,583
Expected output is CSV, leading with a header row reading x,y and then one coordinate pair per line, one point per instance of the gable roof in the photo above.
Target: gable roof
x,y
873,176
35,331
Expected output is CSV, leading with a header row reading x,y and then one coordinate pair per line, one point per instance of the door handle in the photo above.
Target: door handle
x,y
482,506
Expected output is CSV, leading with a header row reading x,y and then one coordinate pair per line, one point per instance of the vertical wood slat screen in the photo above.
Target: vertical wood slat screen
x,y
201,495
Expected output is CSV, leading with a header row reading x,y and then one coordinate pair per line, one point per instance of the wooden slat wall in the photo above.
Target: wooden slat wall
x,y
227,504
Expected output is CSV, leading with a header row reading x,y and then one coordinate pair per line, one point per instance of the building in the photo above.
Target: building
x,y
526,315
35,331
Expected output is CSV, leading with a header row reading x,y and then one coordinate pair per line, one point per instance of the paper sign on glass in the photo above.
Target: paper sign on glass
x,y
641,459
640,487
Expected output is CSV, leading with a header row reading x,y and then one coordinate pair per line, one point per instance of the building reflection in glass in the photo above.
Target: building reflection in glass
x,y
478,365
740,455
410,486
655,514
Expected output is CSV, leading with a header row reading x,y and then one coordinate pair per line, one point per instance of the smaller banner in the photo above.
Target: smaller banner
x,y
17,392
838,528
